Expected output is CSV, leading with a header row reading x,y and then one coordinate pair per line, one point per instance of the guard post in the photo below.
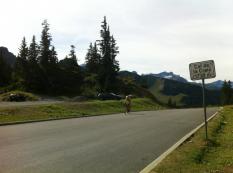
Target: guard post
x,y
201,71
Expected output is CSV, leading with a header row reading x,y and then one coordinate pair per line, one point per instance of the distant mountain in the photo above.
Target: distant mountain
x,y
9,57
171,76
181,93
217,85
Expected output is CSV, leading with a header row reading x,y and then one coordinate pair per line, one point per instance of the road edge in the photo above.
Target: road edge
x,y
153,164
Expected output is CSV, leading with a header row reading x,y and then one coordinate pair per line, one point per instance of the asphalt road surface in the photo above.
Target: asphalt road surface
x,y
104,144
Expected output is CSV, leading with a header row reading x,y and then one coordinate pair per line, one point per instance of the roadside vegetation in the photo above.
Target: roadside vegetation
x,y
72,109
196,155
18,96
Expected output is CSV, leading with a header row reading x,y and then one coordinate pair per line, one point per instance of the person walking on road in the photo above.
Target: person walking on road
x,y
127,104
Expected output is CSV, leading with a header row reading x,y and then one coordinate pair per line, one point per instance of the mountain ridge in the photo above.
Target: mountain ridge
x,y
8,57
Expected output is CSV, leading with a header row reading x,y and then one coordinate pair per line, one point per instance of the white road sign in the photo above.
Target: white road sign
x,y
202,70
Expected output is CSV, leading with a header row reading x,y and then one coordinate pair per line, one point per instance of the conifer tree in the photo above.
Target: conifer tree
x,y
47,56
108,51
53,60
35,79
71,77
21,66
33,51
93,59
70,61
23,50
72,55
48,61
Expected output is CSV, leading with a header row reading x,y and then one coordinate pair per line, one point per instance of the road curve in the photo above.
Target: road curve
x,y
104,144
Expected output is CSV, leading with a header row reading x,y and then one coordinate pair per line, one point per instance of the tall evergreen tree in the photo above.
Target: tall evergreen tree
x,y
53,60
21,66
73,59
114,51
48,60
109,66
33,51
93,59
35,79
70,61
23,50
46,55
71,77
72,54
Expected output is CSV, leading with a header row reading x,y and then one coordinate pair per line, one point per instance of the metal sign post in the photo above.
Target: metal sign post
x,y
201,71
204,105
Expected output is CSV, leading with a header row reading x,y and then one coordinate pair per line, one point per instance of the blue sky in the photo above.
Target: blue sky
x,y
153,35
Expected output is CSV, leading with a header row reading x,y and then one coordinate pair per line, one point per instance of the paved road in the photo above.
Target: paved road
x,y
104,144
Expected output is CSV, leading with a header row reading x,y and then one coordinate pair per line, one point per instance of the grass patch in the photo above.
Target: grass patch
x,y
72,109
198,156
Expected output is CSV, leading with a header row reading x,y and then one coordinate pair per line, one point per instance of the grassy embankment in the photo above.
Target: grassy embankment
x,y
72,109
196,156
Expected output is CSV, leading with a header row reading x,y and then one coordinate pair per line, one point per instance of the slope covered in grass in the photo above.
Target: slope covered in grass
x,y
72,109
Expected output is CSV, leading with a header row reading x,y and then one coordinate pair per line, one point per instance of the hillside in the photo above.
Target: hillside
x,y
9,57
180,93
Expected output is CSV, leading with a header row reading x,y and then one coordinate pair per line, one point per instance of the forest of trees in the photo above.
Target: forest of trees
x,y
38,69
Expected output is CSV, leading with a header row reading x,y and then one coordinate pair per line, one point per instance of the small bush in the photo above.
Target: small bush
x,y
18,96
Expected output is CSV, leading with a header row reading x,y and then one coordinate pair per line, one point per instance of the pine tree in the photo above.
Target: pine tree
x,y
33,51
109,66
53,60
73,59
70,61
21,67
71,77
35,79
72,55
47,56
48,61
114,52
93,59
23,50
